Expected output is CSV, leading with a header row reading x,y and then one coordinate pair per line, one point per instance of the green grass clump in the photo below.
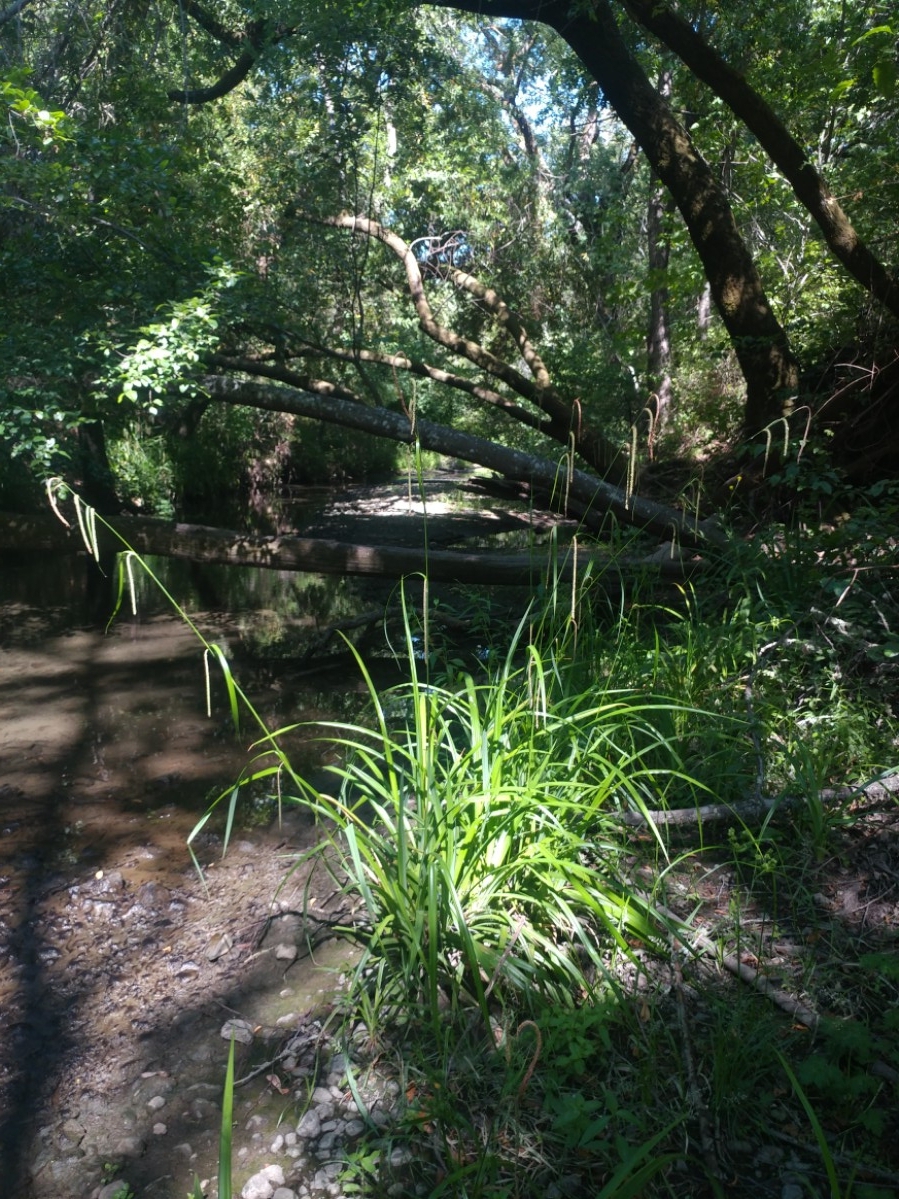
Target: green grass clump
x,y
475,825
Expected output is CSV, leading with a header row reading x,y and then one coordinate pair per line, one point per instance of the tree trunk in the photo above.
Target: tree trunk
x,y
761,346
769,368
777,141
658,337
226,547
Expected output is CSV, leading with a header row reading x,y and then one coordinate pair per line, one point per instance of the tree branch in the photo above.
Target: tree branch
x,y
566,421
747,810
226,83
258,35
283,374
509,320
13,10
425,370
208,22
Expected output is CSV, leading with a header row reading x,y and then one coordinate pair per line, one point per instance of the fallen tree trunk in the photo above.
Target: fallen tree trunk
x,y
201,543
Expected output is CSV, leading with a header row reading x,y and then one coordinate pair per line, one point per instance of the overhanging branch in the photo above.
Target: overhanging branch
x,y
566,423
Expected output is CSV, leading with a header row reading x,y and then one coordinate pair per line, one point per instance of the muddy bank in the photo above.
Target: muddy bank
x,y
116,961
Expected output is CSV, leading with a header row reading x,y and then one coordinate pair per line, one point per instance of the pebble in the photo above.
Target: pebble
x,y
263,1184
219,946
310,1126
129,1147
311,1151
240,1030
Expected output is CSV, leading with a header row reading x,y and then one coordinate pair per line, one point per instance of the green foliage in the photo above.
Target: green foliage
x,y
27,117
169,354
328,454
224,1187
144,472
472,823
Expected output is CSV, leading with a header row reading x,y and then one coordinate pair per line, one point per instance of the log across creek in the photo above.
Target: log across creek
x,y
203,543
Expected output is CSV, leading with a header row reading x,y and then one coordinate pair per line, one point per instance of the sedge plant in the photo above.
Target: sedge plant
x,y
474,826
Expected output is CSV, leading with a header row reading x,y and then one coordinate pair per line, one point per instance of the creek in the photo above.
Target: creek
x,y
118,964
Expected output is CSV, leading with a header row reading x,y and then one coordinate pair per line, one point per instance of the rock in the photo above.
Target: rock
x,y
201,1111
285,952
156,1103
284,1193
263,1184
73,1131
240,1030
152,895
107,884
220,944
310,1126
129,1147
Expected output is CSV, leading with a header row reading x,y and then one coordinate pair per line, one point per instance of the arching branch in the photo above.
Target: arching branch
x,y
257,37
225,84
565,421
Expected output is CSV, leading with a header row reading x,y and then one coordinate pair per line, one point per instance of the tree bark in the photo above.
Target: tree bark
x,y
226,547
658,337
